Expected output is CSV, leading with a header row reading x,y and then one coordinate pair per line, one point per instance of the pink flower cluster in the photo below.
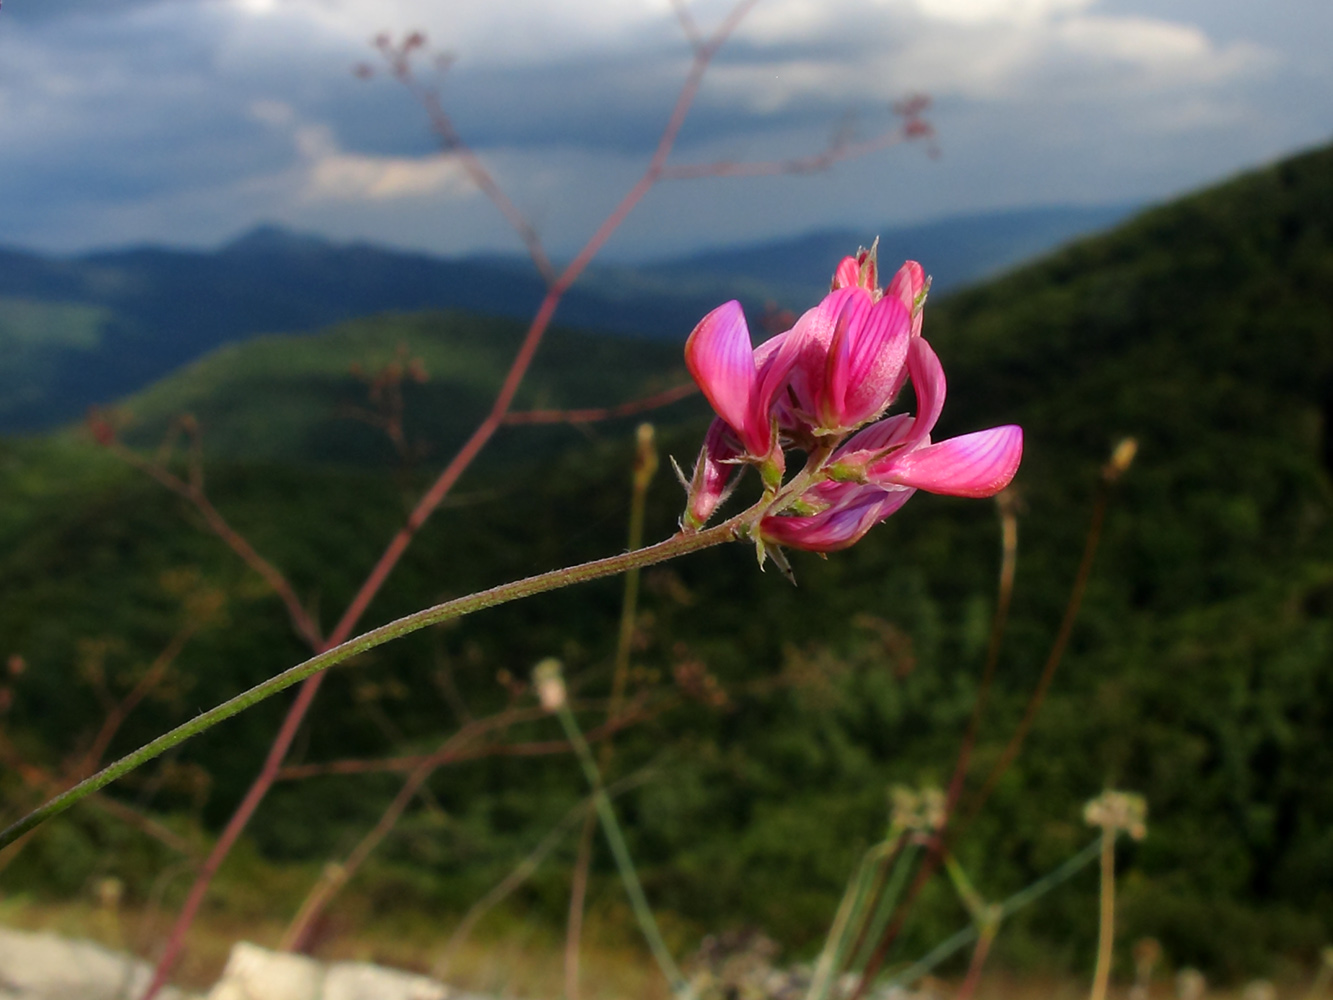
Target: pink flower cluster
x,y
823,388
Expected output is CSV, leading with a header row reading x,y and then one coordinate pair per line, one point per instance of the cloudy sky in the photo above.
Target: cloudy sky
x,y
189,121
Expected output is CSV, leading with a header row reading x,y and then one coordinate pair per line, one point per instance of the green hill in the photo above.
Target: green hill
x,y
309,397
1199,673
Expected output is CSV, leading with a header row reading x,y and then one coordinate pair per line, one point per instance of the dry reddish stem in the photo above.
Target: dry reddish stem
x,y
399,60
913,126
534,748
589,416
193,492
979,955
457,748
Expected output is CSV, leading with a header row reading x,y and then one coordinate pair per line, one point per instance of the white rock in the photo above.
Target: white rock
x,y
48,967
255,973
363,981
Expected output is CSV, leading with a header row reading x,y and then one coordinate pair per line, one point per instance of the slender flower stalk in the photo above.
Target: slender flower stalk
x,y
678,545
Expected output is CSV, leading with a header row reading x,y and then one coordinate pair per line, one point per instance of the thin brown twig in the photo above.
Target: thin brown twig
x,y
400,65
1056,654
455,749
593,415
116,717
688,25
533,748
1006,504
192,492
837,152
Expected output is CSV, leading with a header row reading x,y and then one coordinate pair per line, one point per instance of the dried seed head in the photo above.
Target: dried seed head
x,y
549,681
916,810
1118,811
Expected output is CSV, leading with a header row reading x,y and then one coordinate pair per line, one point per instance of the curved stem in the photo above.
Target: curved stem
x,y
677,545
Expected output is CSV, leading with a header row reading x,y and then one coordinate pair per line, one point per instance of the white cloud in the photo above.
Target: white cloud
x,y
982,12
329,173
180,119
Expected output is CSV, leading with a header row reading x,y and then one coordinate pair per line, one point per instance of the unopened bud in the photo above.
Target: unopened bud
x,y
549,681
1121,459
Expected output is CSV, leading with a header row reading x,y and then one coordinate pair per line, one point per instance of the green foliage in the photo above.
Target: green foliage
x,y
1198,673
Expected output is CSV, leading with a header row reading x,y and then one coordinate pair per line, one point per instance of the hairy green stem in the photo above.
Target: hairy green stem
x,y
678,545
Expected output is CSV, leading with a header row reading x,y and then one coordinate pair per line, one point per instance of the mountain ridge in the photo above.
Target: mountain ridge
x,y
162,307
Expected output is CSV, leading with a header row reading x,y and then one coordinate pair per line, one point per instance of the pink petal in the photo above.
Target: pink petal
x,y
709,484
906,286
719,356
972,465
928,381
838,527
909,286
878,437
847,274
878,351
810,339
831,391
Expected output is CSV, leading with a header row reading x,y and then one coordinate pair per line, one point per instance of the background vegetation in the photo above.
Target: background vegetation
x,y
1198,675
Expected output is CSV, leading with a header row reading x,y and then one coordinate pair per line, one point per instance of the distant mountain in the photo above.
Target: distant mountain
x,y
956,251
88,329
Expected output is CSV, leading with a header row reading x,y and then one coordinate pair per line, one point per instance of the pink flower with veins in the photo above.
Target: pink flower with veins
x,y
878,469
836,370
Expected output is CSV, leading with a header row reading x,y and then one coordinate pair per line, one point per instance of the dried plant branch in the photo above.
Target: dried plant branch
x,y
688,25
399,60
474,751
589,416
192,492
837,151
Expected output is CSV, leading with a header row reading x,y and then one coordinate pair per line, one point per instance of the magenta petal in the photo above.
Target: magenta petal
x,y
878,437
713,471
847,274
908,287
907,284
972,465
831,392
875,361
719,356
838,527
928,381
809,339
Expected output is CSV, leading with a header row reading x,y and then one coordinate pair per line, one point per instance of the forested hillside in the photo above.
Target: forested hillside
x,y
1199,673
